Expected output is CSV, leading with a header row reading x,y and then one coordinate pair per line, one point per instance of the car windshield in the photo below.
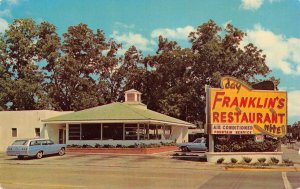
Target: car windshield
x,y
20,142
199,140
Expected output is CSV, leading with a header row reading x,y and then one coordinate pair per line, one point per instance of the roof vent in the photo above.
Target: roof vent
x,y
132,95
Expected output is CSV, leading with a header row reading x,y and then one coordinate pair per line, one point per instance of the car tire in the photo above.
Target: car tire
x,y
39,155
62,152
185,149
20,157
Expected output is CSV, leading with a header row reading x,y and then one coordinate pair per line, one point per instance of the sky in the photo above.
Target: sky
x,y
271,25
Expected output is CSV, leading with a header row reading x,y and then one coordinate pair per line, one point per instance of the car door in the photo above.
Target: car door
x,y
34,147
52,147
198,145
46,148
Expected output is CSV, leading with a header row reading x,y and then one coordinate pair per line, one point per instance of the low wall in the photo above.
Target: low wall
x,y
116,142
122,150
213,157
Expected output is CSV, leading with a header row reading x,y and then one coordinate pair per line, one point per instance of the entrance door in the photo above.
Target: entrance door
x,y
62,136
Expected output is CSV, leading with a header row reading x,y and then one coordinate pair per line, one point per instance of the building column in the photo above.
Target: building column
x,y
211,142
101,130
67,133
43,131
138,131
147,131
124,131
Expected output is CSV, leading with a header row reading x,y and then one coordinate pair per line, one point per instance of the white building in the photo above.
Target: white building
x,y
124,123
23,124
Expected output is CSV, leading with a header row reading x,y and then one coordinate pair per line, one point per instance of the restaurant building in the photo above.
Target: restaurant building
x,y
117,123
125,123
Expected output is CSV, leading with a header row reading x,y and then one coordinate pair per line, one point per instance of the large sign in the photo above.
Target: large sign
x,y
238,109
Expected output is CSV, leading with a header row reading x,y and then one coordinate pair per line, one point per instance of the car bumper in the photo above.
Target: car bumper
x,y
17,153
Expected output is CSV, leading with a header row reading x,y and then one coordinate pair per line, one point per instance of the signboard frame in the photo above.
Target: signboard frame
x,y
210,127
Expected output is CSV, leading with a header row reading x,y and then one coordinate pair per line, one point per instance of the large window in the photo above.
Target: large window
x,y
131,132
155,132
112,131
90,131
143,132
74,132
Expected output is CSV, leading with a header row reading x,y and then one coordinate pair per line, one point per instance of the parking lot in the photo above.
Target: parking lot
x,y
130,171
102,171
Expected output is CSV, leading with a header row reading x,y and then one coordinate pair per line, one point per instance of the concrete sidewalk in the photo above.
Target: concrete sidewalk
x,y
292,153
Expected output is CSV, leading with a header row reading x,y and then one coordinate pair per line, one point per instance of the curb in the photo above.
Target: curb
x,y
292,169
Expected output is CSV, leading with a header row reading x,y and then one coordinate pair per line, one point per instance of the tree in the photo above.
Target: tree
x,y
22,56
81,75
180,75
295,130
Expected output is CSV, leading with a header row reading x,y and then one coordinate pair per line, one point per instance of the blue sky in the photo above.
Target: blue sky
x,y
272,25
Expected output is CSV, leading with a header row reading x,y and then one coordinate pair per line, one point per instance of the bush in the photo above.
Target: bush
x,y
261,160
247,159
220,161
108,146
245,143
74,146
86,146
233,160
288,162
274,160
98,145
120,146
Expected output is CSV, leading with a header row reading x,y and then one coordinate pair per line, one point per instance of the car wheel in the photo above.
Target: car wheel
x,y
20,157
39,155
61,152
184,149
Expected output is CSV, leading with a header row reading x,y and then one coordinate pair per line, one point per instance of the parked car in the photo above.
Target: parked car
x,y
35,147
197,145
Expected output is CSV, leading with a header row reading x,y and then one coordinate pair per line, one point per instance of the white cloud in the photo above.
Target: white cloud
x,y
177,33
3,25
251,4
255,4
5,12
125,26
129,39
12,2
294,103
282,53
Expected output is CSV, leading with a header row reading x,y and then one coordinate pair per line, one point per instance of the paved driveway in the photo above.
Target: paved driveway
x,y
130,171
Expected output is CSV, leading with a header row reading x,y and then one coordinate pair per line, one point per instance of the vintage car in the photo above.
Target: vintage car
x,y
197,145
35,148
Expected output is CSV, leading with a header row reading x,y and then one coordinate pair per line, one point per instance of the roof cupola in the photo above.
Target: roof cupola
x,y
133,95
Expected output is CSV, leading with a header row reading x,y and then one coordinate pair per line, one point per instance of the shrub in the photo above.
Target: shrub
x,y
220,161
108,146
244,144
274,160
247,159
86,146
97,145
288,162
261,160
74,146
120,146
233,160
